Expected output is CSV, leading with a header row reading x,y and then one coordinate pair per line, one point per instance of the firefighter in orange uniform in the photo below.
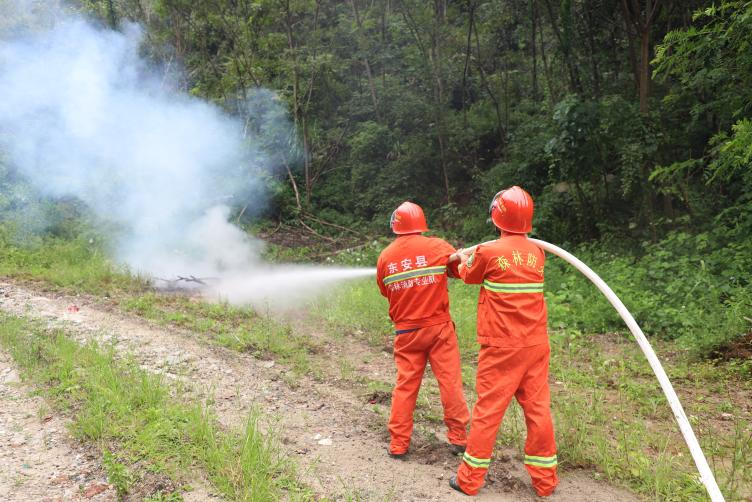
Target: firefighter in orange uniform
x,y
412,274
514,350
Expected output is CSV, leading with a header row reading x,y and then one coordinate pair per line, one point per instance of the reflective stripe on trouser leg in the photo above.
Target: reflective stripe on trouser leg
x,y
478,463
445,364
541,461
498,376
540,447
472,473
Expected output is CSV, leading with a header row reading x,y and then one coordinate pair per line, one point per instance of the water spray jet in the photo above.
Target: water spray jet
x,y
268,285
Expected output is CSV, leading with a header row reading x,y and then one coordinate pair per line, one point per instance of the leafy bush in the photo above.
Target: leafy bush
x,y
689,287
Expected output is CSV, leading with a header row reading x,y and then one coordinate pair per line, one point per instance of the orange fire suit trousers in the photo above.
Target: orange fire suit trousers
x,y
503,373
437,344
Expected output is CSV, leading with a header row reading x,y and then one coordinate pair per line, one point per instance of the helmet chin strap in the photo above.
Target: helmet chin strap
x,y
490,206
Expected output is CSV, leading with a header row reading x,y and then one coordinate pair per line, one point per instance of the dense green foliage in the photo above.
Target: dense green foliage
x,y
629,122
447,101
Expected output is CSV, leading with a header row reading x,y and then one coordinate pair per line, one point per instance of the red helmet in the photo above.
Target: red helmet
x,y
408,218
511,210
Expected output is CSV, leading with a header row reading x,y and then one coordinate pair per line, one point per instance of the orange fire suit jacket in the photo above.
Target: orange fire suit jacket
x,y
511,264
412,274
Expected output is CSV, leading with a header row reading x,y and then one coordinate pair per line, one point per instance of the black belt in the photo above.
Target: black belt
x,y
403,331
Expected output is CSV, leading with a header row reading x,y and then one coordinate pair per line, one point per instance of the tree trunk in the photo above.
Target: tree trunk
x,y
369,73
298,116
533,49
593,59
468,49
442,151
491,95
384,15
307,160
295,76
293,183
632,51
565,45
552,94
641,18
435,57
111,15
645,80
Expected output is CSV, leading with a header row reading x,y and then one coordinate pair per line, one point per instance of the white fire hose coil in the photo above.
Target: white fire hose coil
x,y
706,475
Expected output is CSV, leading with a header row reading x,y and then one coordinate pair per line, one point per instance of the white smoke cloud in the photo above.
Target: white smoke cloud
x,y
83,115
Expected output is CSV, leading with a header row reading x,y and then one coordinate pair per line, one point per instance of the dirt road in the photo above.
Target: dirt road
x,y
335,436
38,459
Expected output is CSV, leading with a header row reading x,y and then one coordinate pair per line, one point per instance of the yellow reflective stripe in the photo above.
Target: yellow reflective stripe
x,y
541,461
512,287
540,464
478,463
411,274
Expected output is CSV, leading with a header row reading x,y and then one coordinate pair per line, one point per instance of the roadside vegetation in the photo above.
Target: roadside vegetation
x,y
81,265
688,288
141,425
610,413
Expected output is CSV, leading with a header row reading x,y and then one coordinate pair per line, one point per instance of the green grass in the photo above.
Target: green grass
x,y
79,265
115,403
118,473
609,410
164,497
238,328
357,307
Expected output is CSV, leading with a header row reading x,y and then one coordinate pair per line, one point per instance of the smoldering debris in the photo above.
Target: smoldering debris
x,y
180,283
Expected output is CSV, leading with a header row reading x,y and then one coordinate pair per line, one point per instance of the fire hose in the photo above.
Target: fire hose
x,y
706,475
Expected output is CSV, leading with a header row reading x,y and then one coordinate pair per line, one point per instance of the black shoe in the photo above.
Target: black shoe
x,y
396,456
454,485
457,449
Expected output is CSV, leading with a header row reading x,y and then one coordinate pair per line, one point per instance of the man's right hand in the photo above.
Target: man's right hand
x,y
460,255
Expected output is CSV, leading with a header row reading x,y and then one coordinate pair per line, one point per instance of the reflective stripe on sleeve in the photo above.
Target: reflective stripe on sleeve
x,y
540,461
411,274
478,463
510,287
